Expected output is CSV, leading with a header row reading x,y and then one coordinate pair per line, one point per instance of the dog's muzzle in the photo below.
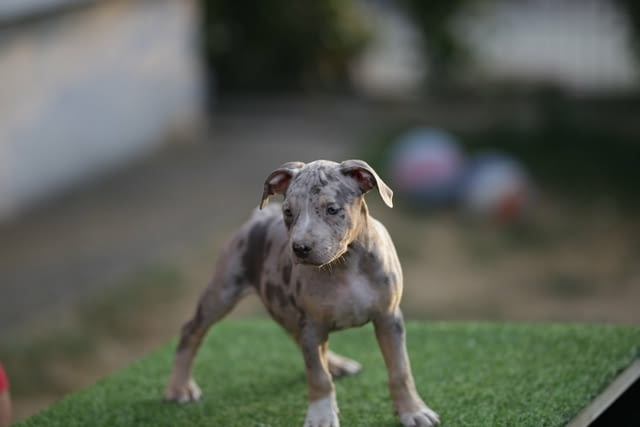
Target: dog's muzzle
x,y
301,250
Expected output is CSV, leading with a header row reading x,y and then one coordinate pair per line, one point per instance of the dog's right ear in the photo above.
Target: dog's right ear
x,y
278,181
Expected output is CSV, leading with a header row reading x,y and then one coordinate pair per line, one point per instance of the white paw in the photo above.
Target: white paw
x,y
323,413
425,417
350,367
340,366
185,393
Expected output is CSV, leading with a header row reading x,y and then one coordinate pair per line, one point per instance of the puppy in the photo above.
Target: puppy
x,y
320,263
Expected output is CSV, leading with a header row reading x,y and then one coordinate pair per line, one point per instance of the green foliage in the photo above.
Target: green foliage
x,y
632,10
441,45
280,44
472,374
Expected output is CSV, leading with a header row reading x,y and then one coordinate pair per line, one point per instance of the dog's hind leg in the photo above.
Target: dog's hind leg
x,y
340,366
225,289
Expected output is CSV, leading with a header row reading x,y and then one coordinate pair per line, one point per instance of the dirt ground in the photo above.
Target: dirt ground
x,y
570,262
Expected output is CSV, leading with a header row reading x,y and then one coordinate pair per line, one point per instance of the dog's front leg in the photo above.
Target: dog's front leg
x,y
322,410
412,411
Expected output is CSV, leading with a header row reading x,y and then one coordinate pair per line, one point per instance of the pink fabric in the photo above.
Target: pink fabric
x,y
4,381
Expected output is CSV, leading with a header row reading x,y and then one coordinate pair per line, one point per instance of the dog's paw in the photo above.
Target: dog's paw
x,y
424,417
340,366
189,392
323,413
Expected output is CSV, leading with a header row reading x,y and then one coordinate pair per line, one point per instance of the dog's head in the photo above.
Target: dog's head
x,y
323,205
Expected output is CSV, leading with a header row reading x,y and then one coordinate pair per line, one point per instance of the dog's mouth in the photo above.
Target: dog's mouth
x,y
321,262
308,262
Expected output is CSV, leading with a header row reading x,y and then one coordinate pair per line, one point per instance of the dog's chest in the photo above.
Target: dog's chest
x,y
354,303
341,300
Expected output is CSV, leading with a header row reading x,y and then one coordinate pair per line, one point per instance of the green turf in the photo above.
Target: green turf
x,y
471,374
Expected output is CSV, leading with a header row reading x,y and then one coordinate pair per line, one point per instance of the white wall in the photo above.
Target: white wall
x,y
83,91
581,45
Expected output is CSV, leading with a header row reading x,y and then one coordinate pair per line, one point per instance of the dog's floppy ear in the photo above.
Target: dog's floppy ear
x,y
367,179
278,181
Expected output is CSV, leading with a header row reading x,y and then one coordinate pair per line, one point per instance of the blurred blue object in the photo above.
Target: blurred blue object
x,y
495,187
426,165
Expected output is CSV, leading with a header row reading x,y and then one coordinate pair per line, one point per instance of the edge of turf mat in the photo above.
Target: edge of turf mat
x,y
472,374
605,399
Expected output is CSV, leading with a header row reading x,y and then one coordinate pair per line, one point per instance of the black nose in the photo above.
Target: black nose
x,y
301,250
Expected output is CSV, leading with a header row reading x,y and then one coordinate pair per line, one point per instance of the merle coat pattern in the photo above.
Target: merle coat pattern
x,y
320,263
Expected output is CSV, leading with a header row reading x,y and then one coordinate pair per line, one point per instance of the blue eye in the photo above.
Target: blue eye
x,y
332,210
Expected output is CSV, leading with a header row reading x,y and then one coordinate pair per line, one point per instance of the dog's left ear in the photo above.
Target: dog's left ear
x,y
367,179
278,181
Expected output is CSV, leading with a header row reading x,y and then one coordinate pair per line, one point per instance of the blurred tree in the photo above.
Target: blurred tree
x,y
632,10
441,46
280,44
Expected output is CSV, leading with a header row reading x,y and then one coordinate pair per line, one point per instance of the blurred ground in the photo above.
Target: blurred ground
x,y
121,261
155,207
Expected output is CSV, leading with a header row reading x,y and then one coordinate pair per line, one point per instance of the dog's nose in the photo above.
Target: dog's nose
x,y
301,250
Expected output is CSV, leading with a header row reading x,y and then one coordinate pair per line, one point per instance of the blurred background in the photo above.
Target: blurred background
x,y
135,136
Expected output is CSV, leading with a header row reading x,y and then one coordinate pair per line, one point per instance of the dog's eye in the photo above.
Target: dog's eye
x,y
287,213
332,210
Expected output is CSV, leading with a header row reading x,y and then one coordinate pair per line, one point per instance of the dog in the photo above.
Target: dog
x,y
320,263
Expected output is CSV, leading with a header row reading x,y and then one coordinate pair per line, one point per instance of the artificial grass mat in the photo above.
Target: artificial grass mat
x,y
472,374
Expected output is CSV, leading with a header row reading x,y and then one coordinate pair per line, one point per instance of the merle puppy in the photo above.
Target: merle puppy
x,y
320,263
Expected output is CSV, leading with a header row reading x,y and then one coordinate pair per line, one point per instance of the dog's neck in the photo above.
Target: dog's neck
x,y
362,232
